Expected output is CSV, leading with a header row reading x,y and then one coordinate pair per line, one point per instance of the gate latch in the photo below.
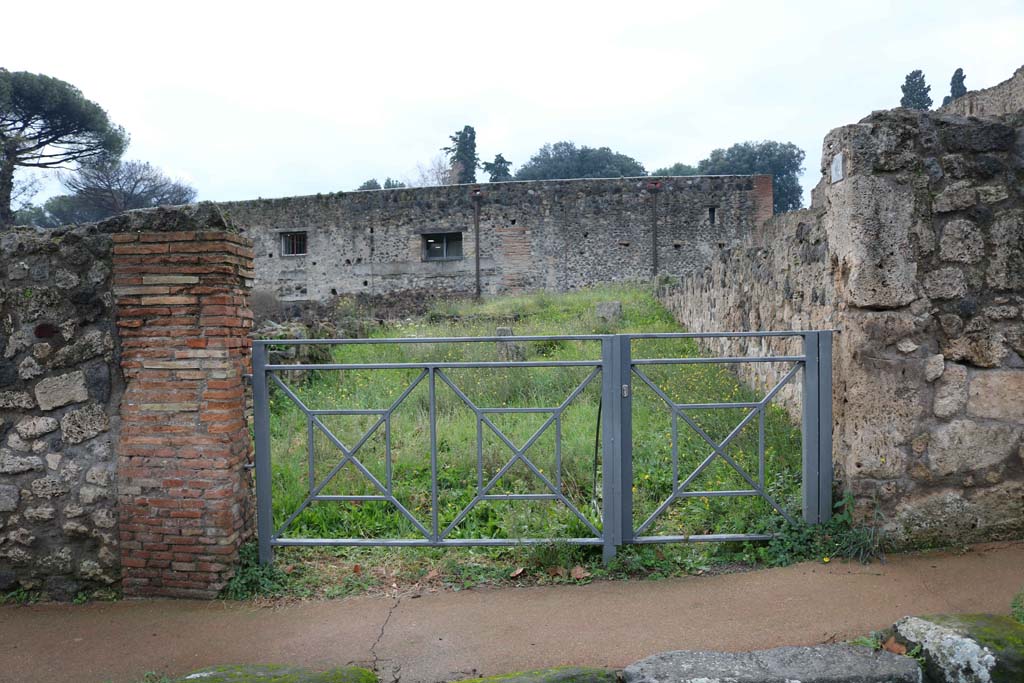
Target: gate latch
x,y
625,391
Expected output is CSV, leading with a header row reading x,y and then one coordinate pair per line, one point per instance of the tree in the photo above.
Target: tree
x,y
392,184
437,171
462,155
956,87
370,184
915,92
564,160
677,168
783,160
47,123
500,169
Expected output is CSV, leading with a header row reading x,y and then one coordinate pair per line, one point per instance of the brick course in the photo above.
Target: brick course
x,y
185,498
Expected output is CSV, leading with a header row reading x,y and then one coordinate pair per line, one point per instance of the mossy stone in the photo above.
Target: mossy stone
x,y
1003,636
276,673
564,674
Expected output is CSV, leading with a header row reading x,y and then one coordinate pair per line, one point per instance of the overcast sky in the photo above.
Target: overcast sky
x,y
258,99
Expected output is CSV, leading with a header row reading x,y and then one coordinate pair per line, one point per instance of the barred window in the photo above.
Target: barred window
x,y
293,243
445,246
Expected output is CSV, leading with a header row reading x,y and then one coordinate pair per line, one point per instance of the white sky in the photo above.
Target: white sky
x,y
272,99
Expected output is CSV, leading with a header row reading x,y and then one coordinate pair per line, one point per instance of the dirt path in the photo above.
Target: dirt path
x,y
443,636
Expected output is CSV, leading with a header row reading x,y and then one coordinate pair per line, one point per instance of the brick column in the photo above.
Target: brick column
x,y
184,494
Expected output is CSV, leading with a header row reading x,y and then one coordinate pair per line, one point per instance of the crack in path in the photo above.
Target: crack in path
x,y
395,671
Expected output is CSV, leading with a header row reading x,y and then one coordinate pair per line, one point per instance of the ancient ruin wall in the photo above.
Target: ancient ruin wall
x,y
914,250
60,386
552,235
1005,98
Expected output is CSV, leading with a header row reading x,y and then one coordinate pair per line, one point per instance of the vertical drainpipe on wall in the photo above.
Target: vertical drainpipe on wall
x,y
653,188
477,194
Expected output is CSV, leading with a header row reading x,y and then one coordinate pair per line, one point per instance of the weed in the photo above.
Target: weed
x,y
872,641
20,596
1017,607
252,579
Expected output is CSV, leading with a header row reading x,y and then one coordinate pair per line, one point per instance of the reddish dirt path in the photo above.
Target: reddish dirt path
x,y
443,636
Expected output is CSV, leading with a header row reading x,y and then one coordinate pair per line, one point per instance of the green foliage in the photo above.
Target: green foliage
x,y
915,92
956,87
47,123
500,169
252,579
20,596
370,184
392,184
1017,607
154,677
564,160
676,169
782,160
872,640
462,155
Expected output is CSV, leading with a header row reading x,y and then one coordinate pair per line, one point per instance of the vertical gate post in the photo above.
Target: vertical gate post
x,y
625,418
809,432
610,486
261,429
825,472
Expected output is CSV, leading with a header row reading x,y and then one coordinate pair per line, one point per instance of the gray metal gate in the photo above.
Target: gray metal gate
x,y
617,372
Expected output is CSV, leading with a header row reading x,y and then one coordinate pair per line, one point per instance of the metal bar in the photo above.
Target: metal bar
x,y
610,436
760,446
675,451
715,335
700,361
809,433
261,456
387,454
479,456
710,406
703,538
352,411
306,542
558,453
311,453
438,365
287,391
442,340
519,496
492,411
433,453
717,494
342,498
825,466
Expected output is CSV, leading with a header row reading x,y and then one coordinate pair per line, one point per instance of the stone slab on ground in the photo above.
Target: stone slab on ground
x,y
967,648
562,674
274,673
818,664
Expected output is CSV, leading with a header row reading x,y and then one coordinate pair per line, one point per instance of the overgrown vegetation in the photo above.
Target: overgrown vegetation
x,y
574,470
1017,606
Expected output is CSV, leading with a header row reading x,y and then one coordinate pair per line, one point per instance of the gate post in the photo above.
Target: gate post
x,y
617,442
817,427
261,432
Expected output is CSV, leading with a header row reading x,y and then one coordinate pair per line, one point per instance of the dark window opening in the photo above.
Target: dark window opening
x,y
442,246
711,215
348,262
293,244
334,292
513,221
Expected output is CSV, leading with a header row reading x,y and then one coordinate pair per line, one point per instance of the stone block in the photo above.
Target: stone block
x,y
934,367
945,283
964,445
997,394
983,349
84,423
951,391
49,487
16,464
958,196
831,663
62,390
34,427
608,311
961,242
966,647
16,399
29,368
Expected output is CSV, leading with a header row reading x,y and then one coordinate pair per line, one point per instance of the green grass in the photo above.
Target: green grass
x,y
1017,607
456,436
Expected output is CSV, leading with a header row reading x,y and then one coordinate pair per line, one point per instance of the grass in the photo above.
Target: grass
x,y
1017,607
574,471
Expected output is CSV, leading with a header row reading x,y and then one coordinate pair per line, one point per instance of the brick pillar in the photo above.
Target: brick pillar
x,y
764,199
184,494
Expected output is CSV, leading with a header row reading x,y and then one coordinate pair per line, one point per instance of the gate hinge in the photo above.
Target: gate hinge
x,y
625,391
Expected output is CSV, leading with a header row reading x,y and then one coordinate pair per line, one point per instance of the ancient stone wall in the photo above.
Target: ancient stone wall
x,y
1005,98
60,387
123,438
914,250
553,235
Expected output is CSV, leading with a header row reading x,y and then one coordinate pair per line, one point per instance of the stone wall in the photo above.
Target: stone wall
x,y
914,250
1005,98
552,235
123,438
60,387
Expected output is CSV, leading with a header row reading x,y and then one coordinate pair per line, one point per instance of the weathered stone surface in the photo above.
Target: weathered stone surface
x,y
961,242
820,664
269,673
934,367
983,349
951,391
997,394
566,674
956,197
16,399
34,427
965,445
49,487
93,343
54,392
11,463
967,648
945,283
9,498
89,494
84,423
29,368
608,311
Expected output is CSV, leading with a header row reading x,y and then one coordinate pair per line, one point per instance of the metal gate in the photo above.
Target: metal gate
x,y
617,373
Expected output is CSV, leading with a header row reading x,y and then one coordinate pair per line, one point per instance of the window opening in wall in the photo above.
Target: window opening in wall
x,y
293,244
711,215
445,246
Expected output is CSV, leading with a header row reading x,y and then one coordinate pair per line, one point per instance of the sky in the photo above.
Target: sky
x,y
271,99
